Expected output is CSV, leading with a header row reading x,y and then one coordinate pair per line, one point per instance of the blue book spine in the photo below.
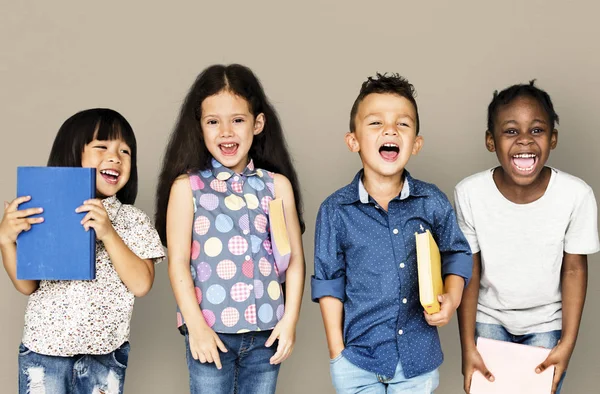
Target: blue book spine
x,y
58,248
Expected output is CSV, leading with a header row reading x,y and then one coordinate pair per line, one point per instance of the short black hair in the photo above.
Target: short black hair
x,y
81,129
513,92
382,84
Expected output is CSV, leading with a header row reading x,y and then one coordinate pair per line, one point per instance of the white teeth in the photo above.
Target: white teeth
x,y
525,155
390,145
525,169
110,172
228,145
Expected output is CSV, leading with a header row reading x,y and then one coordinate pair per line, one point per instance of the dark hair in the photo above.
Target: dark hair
x,y
81,129
186,150
382,84
513,92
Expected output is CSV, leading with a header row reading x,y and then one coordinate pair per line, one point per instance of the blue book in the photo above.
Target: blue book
x,y
59,248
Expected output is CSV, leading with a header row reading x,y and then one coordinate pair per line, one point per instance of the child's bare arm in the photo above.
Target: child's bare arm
x,y
467,312
573,286
204,342
332,311
285,330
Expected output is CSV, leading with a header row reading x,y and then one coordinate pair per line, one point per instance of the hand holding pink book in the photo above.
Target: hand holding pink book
x,y
513,366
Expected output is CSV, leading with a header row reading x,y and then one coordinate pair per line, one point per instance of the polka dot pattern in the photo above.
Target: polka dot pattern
x,y
236,282
381,269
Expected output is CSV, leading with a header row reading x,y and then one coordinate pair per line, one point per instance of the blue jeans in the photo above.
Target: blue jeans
x,y
246,368
347,378
82,374
542,339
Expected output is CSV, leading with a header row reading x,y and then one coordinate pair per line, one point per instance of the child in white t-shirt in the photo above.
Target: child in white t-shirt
x,y
530,228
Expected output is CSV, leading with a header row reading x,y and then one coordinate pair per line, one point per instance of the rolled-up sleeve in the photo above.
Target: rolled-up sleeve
x,y
454,248
329,279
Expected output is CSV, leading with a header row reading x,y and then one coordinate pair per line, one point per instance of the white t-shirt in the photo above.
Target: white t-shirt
x,y
522,247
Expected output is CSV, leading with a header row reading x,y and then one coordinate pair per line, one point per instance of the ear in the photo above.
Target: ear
x,y
417,145
554,139
352,142
490,144
259,123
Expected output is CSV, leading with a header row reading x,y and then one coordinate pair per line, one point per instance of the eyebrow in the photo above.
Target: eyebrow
x,y
378,114
515,122
217,116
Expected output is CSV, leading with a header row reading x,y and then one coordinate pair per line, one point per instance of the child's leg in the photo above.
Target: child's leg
x,y
544,339
256,375
206,378
44,374
347,378
102,374
422,384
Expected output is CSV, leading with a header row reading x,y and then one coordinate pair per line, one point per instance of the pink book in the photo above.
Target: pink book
x,y
513,366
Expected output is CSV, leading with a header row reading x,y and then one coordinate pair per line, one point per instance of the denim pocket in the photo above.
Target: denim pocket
x,y
23,350
121,355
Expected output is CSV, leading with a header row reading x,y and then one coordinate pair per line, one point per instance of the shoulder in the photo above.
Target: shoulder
x,y
134,215
571,183
475,181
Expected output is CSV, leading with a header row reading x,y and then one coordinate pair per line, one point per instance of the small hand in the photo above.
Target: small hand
x,y
471,362
559,357
205,345
447,308
96,218
15,221
285,331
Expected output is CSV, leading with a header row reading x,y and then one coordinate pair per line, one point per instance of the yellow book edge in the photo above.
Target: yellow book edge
x,y
278,226
429,272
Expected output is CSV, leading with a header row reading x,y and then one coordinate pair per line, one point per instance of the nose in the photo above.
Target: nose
x,y
390,129
113,157
226,130
525,139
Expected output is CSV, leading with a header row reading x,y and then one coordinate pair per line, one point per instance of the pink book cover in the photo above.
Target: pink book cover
x,y
513,366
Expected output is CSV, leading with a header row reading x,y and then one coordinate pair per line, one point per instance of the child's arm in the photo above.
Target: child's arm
x,y
13,223
573,286
204,342
332,311
467,311
285,330
136,273
449,301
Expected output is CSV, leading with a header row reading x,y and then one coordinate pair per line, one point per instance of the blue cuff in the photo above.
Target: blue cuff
x,y
328,288
460,264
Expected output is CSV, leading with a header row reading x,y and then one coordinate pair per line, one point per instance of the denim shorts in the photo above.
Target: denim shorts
x,y
81,374
547,339
347,378
246,367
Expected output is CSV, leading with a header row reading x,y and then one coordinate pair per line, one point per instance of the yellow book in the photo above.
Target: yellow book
x,y
429,266
280,239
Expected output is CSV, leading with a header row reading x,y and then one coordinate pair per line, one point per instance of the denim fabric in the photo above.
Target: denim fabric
x,y
542,339
246,368
81,374
349,379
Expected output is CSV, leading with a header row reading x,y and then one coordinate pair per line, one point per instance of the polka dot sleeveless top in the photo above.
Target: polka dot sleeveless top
x,y
232,264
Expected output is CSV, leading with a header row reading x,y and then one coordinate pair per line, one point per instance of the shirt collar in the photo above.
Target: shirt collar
x,y
356,190
112,205
223,173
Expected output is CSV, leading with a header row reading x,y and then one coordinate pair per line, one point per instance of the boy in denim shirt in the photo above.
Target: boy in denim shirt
x,y
380,339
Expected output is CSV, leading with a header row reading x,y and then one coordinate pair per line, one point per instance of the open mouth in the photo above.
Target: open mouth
x,y
389,151
229,149
110,176
525,162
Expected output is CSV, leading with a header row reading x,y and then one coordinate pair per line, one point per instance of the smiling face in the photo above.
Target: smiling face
x,y
112,160
228,128
385,135
522,139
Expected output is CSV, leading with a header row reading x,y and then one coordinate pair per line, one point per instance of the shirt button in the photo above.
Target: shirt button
x,y
236,178
247,257
400,332
395,231
404,300
250,287
402,265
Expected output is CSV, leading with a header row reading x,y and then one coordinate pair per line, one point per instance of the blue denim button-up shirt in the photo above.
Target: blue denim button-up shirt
x,y
366,257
